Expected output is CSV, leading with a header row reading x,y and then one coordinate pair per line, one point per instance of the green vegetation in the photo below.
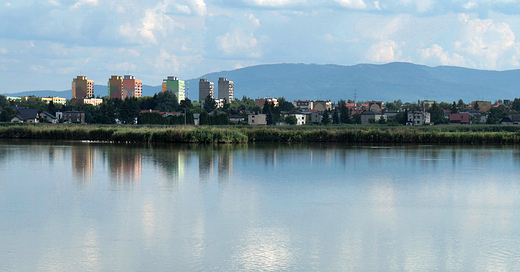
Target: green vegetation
x,y
240,134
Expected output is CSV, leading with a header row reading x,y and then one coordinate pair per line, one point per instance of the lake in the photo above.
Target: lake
x,y
79,206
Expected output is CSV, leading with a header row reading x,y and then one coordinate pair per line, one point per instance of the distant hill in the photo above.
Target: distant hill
x,y
388,82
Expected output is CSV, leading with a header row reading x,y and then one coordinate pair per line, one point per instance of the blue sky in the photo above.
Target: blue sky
x,y
46,43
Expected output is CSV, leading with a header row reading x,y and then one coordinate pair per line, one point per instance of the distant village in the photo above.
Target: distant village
x,y
124,104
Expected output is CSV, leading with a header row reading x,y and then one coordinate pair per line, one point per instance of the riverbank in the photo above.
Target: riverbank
x,y
192,134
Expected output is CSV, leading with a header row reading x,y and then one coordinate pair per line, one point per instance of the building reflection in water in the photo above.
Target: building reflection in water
x,y
220,154
172,160
125,165
82,162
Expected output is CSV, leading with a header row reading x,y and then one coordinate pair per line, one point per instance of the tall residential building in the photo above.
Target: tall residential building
x,y
175,85
205,88
82,87
115,88
132,87
225,89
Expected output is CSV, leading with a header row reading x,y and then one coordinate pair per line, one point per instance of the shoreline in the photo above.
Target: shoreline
x,y
479,135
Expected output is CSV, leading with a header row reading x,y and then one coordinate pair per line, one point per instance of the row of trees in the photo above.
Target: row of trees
x,y
128,110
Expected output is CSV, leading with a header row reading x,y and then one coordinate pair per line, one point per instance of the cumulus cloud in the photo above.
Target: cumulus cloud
x,y
355,4
122,66
437,53
85,3
238,43
487,43
384,51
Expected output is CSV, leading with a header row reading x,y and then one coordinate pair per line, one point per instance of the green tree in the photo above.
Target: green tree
x,y
325,119
7,114
291,120
437,114
209,104
335,117
454,108
516,104
344,114
357,118
461,104
391,106
285,105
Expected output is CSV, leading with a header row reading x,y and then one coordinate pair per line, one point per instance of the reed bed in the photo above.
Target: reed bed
x,y
192,134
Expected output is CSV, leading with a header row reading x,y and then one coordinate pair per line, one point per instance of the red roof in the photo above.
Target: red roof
x,y
462,118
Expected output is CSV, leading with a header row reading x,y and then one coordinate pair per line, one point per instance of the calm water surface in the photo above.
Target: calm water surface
x,y
102,207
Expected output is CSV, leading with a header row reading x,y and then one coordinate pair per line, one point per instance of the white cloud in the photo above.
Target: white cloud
x,y
470,5
436,52
53,2
3,50
488,44
253,21
274,3
238,43
85,3
421,5
122,67
40,69
355,4
384,51
377,5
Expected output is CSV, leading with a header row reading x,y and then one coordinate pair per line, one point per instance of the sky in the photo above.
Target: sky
x,y
44,44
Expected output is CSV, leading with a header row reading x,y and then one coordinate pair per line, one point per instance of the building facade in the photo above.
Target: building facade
x,y
206,88
418,118
55,100
115,88
257,119
322,106
173,84
226,89
303,104
259,102
132,87
82,87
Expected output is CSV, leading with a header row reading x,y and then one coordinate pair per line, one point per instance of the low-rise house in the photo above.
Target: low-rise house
x,y
196,119
375,106
418,118
257,119
236,118
49,117
390,114
482,106
459,118
511,120
303,104
316,116
322,106
74,117
301,117
259,102
24,115
367,115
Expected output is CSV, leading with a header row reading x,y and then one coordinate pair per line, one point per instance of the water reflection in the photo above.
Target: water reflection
x,y
315,207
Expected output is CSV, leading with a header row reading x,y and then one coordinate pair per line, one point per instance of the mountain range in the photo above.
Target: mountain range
x,y
387,82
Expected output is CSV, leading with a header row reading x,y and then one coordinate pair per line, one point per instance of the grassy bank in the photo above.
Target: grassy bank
x,y
190,134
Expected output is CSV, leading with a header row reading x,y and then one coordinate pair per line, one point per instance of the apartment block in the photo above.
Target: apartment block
x,y
173,84
132,87
226,89
82,87
205,88
115,88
